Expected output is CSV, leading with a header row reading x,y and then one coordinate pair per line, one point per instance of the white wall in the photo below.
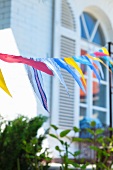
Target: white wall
x,y
31,23
23,100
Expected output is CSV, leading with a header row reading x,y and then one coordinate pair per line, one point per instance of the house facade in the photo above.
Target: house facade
x,y
55,28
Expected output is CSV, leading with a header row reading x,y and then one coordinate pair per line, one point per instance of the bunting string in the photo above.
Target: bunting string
x,y
51,66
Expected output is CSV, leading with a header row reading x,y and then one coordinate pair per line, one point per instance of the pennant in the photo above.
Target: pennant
x,y
51,65
36,80
65,66
56,70
99,54
86,61
82,60
111,66
71,62
97,59
109,62
108,59
3,85
104,50
93,69
100,68
18,59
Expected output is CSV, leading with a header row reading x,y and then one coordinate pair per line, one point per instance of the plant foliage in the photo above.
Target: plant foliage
x,y
20,148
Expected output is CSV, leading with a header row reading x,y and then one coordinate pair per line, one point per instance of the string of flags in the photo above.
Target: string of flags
x,y
51,66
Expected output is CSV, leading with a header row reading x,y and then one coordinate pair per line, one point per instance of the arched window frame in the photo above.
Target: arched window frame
x,y
61,31
90,28
89,46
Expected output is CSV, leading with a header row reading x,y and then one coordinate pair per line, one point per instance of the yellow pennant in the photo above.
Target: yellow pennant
x,y
71,62
105,51
3,84
111,62
98,59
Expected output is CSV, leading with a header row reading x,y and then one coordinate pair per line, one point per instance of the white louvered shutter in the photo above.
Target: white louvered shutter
x,y
63,106
67,18
66,103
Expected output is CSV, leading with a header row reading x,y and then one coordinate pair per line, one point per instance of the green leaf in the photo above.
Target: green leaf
x,y
110,129
75,129
54,127
90,131
84,166
99,131
77,153
100,139
54,136
24,142
71,162
93,123
64,132
61,141
58,149
95,148
75,139
87,140
111,149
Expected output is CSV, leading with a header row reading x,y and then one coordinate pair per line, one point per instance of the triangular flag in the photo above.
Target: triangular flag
x,y
3,85
36,81
19,59
100,68
91,56
71,62
65,66
81,60
92,67
55,68
104,50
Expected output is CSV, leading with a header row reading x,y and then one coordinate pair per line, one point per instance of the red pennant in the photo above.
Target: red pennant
x,y
19,59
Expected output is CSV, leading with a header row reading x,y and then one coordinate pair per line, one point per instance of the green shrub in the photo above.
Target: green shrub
x,y
64,148
19,145
100,142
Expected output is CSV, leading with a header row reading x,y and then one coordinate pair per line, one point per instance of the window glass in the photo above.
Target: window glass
x,y
94,99
99,38
83,95
104,71
101,116
90,22
99,94
83,34
82,113
83,66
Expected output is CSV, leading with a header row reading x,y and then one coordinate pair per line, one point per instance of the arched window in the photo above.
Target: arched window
x,y
67,42
93,103
91,29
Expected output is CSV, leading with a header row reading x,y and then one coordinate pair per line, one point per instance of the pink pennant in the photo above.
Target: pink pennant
x,y
19,59
100,54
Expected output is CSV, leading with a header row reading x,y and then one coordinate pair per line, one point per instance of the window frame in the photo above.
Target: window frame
x,y
89,46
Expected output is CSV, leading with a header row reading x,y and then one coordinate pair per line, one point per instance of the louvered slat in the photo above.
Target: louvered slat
x,y
67,17
66,102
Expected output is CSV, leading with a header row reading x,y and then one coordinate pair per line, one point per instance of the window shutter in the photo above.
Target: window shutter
x,y
67,17
66,103
63,105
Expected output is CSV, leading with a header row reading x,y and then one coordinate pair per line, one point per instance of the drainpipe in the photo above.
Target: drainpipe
x,y
110,89
52,54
